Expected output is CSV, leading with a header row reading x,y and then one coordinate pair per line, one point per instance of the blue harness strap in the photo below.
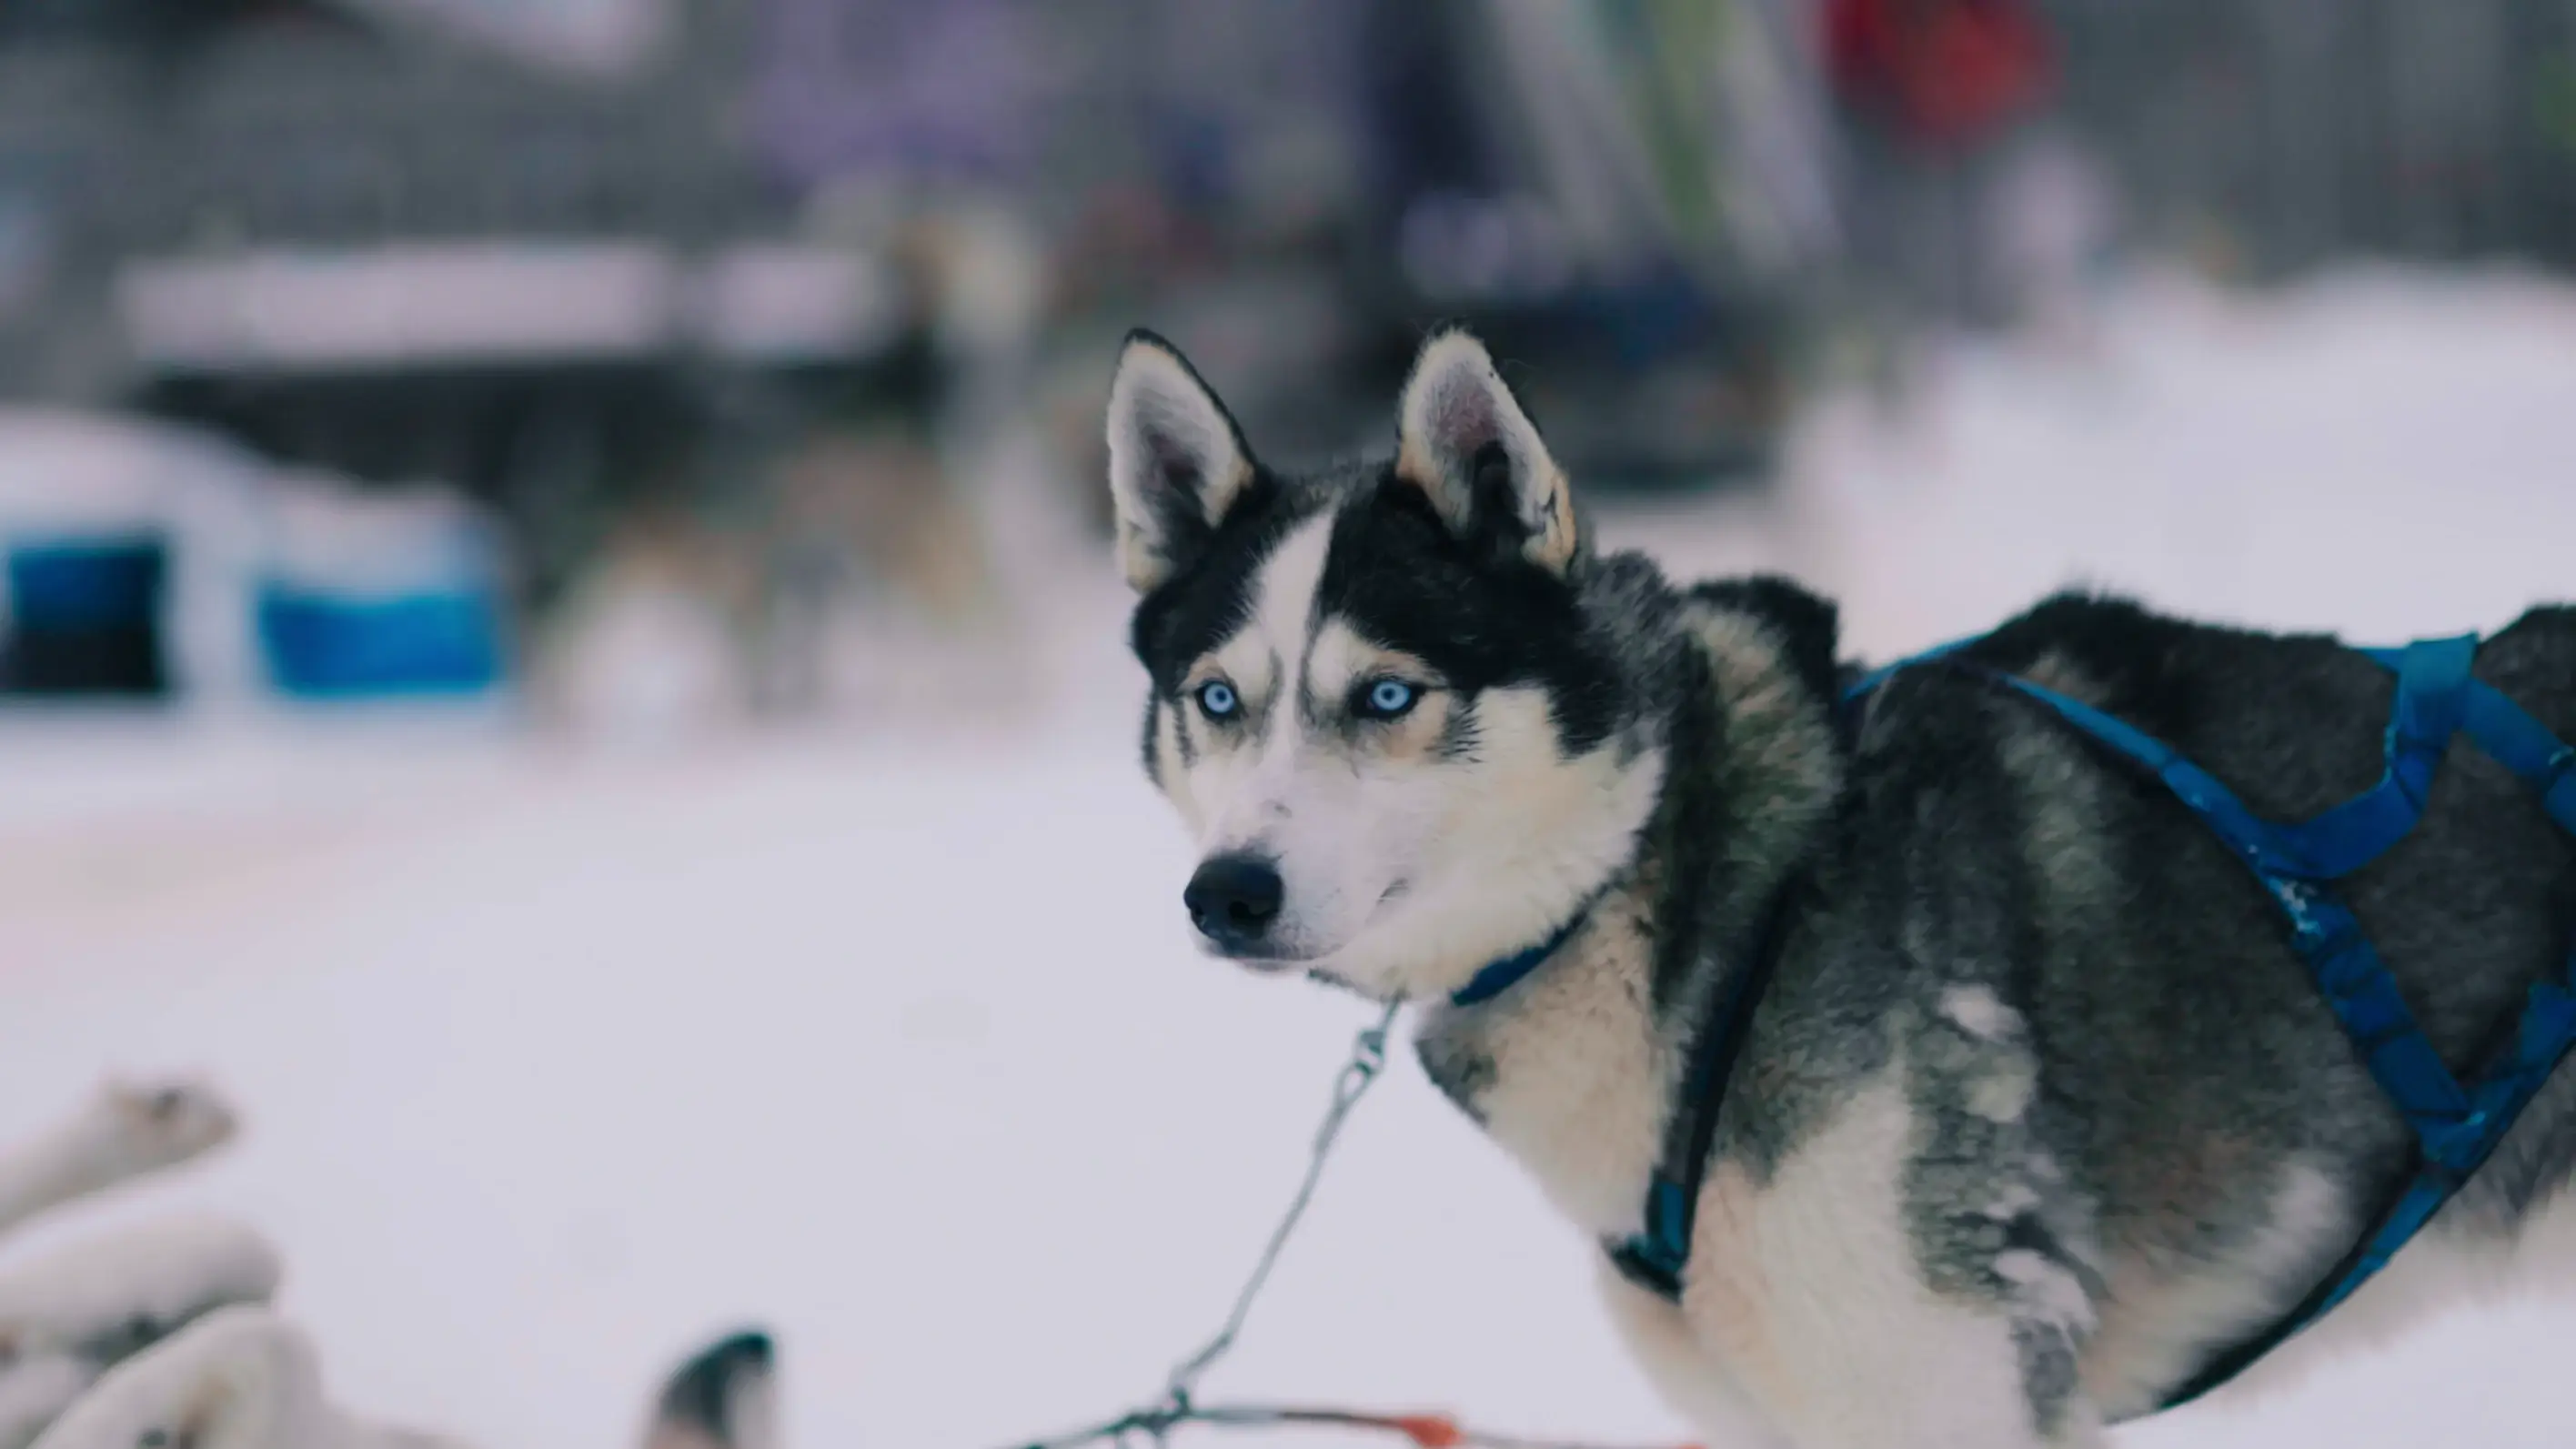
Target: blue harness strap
x,y
2291,862
1512,970
1654,1258
2432,699
2513,739
2455,1127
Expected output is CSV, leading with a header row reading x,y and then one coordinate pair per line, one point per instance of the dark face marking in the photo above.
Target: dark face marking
x,y
1481,617
1460,734
1153,723
1200,607
1472,609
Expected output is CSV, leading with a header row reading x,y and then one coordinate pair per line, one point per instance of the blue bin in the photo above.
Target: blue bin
x,y
320,645
85,616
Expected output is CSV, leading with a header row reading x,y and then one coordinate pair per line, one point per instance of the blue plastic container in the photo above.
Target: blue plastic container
x,y
320,645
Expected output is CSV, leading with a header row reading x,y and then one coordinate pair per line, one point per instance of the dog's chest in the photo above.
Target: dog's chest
x,y
1569,1075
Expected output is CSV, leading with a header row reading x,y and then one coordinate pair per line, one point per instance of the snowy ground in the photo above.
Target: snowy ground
x,y
556,1061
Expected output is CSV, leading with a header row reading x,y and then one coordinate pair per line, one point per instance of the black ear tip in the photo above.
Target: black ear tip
x,y
702,1391
1146,337
746,1346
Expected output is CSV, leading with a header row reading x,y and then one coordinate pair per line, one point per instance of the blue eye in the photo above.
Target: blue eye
x,y
1389,699
1217,700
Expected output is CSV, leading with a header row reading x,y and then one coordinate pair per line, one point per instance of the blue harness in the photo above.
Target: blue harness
x,y
2455,1126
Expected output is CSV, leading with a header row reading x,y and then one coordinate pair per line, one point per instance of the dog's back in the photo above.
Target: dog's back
x,y
2187,1052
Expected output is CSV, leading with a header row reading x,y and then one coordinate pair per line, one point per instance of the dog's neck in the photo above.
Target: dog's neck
x,y
1573,1069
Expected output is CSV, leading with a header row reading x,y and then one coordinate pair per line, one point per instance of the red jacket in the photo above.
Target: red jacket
x,y
1945,71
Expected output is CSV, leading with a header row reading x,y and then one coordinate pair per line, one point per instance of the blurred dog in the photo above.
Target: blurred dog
x,y
159,1335
242,1377
68,1316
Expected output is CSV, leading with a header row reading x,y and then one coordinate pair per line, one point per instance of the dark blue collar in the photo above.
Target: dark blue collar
x,y
1510,971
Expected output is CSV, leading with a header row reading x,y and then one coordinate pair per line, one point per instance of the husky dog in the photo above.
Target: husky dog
x,y
2038,1113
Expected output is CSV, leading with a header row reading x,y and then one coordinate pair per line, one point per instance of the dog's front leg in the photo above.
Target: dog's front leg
x,y
1693,1382
1697,1382
1927,1374
1912,1275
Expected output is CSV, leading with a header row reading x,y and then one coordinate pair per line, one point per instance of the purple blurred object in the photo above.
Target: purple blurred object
x,y
844,87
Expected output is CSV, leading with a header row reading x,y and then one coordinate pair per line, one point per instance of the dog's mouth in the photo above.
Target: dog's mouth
x,y
1260,965
1308,961
1268,959
1313,966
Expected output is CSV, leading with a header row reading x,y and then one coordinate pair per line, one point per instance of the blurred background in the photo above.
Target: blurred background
x,y
556,631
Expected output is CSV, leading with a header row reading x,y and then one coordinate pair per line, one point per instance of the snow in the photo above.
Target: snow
x,y
557,1060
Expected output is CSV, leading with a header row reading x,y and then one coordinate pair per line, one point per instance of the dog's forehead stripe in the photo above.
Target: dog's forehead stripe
x,y
1335,659
1267,656
1284,601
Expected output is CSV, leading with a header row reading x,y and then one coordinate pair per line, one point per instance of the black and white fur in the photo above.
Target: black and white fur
x,y
2040,1112
724,1397
245,1377
69,1315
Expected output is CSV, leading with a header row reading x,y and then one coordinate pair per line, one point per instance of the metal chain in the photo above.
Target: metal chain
x,y
1368,1057
1178,1406
1155,1422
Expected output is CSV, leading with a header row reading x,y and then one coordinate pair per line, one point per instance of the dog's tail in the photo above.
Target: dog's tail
x,y
724,1398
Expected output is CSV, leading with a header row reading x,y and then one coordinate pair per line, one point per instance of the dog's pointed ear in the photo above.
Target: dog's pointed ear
x,y
1177,461
1463,440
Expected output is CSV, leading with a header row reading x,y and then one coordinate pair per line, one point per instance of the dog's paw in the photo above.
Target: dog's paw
x,y
237,1376
150,1125
35,1391
109,1296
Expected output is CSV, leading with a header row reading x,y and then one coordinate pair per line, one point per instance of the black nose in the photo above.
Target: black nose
x,y
1233,899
